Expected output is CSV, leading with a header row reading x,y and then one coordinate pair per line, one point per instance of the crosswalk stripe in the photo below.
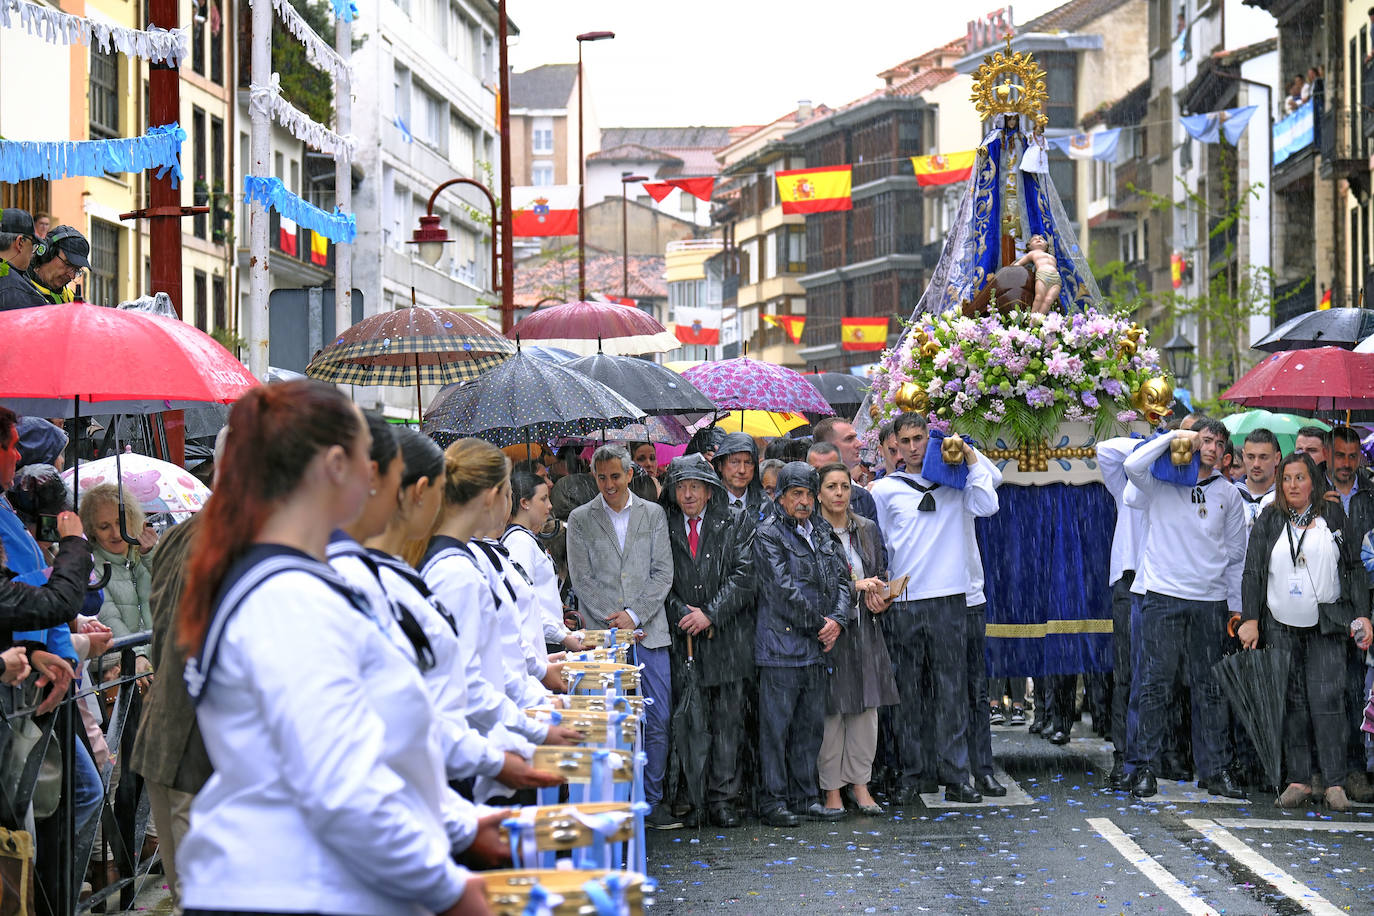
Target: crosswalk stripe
x,y
1176,890
1285,883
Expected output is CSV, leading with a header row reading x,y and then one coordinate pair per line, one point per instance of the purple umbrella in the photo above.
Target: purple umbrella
x,y
748,384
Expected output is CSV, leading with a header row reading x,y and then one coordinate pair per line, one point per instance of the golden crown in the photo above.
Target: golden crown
x,y
1010,83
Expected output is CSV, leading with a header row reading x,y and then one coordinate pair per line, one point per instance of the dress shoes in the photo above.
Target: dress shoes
x,y
1037,726
906,796
1225,784
1174,768
818,812
962,793
1117,778
724,816
989,786
661,817
1060,736
1144,785
779,817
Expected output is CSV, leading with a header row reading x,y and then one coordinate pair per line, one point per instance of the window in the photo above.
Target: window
x,y
403,6
488,57
279,165
687,204
104,94
198,45
431,122
219,206
105,263
459,47
791,244
401,96
541,174
541,142
216,46
1064,176
462,145
1061,82
201,296
200,194
219,301
770,256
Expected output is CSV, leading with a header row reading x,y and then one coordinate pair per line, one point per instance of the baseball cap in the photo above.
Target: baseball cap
x,y
17,222
71,243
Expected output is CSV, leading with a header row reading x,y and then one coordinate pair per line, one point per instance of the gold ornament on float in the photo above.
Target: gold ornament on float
x,y
1128,345
1181,452
952,449
1010,83
1154,399
912,396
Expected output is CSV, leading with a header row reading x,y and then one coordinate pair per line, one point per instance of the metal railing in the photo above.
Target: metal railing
x,y
63,855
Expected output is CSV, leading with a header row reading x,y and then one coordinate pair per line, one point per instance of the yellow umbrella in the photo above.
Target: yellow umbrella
x,y
760,422
682,365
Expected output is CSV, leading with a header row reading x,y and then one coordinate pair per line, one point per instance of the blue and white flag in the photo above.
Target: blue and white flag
x,y
1097,145
1212,126
405,129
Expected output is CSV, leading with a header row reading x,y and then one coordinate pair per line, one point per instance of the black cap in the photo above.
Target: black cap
x,y
14,221
70,241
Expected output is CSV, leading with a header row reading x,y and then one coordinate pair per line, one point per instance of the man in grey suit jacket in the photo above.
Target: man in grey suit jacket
x,y
620,562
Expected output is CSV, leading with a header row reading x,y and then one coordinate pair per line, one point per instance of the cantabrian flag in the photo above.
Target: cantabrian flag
x,y
319,249
544,210
700,326
792,324
863,333
943,169
286,236
816,190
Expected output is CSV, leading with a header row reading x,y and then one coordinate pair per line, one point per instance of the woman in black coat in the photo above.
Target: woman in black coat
x,y
1304,592
861,676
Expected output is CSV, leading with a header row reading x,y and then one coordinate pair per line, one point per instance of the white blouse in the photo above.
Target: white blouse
x,y
1296,590
526,550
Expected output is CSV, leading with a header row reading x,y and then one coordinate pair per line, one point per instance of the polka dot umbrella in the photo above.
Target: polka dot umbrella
x,y
526,399
749,384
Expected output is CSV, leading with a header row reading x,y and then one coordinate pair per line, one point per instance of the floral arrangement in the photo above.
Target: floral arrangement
x,y
1019,374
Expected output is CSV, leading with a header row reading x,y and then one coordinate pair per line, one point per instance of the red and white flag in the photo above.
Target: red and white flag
x,y
697,326
286,236
544,210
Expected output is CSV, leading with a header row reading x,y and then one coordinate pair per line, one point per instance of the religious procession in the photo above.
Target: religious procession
x,y
833,534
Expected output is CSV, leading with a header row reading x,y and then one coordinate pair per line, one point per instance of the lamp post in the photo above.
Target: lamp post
x,y
431,237
1178,353
626,179
582,168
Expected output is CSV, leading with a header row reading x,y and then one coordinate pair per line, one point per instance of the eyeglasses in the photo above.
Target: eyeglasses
x,y
71,268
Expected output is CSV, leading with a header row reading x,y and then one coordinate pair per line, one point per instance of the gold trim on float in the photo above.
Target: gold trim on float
x,y
1048,628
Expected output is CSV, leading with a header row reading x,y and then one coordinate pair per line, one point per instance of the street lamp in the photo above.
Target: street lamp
x,y
431,237
582,168
626,179
1179,355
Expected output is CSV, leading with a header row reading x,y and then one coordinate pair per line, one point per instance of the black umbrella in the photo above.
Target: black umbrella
x,y
1256,683
524,399
843,392
1324,328
654,389
690,729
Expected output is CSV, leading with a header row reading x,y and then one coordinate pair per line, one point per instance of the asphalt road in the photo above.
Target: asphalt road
x,y
1057,844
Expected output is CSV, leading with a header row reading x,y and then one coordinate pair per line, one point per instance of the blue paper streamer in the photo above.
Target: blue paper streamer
x,y
159,149
338,227
346,10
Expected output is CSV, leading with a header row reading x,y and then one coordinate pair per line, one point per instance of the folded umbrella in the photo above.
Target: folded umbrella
x,y
1256,683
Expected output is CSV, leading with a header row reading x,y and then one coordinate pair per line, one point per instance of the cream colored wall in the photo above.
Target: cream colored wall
x,y
957,126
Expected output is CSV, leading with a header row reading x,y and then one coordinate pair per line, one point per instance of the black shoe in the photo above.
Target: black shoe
x,y
779,817
691,820
1175,769
964,794
907,796
928,786
662,818
1017,717
1144,784
724,816
818,812
1117,778
1060,736
1037,726
1224,783
989,786
996,716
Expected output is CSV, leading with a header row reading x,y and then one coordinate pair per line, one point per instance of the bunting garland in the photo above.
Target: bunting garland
x,y
268,100
159,149
346,10
56,27
320,55
338,227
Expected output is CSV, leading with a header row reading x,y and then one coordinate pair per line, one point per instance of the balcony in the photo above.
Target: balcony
x,y
1294,298
1335,132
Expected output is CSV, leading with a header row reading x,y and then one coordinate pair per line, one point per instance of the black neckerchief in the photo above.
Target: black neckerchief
x,y
927,500
414,633
1199,495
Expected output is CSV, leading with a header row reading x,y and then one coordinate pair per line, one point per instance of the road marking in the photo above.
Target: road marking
x,y
1176,890
1257,824
1285,883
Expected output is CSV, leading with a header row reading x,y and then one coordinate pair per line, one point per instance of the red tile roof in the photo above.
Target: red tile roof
x,y
541,278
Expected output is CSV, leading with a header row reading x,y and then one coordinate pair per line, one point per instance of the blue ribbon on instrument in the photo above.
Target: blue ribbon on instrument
x,y
541,902
608,898
338,227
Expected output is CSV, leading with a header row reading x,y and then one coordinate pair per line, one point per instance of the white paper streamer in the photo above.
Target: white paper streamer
x,y
317,51
56,27
267,99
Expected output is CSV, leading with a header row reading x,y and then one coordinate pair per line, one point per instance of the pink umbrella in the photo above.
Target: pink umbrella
x,y
595,327
748,384
1321,379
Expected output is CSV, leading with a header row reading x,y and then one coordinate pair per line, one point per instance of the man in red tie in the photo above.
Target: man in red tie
x,y
712,601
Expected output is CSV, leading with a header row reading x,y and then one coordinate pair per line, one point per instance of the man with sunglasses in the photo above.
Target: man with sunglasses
x,y
17,244
57,261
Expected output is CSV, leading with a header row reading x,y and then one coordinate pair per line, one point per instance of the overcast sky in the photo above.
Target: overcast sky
x,y
731,62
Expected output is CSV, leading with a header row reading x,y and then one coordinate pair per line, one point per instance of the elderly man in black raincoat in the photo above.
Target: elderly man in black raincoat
x,y
737,463
712,600
804,601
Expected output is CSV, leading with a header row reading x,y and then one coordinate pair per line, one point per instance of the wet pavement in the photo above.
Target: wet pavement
x,y
1058,844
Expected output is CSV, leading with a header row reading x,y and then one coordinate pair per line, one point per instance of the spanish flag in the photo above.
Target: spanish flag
x,y
792,324
319,249
816,190
941,169
863,333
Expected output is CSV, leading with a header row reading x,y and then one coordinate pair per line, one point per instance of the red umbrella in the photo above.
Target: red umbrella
x,y
595,327
123,361
1321,379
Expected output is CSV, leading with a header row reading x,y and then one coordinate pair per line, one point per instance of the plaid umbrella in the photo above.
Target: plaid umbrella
x,y
748,384
412,346
526,399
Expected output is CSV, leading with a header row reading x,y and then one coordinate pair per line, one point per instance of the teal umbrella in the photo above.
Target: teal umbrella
x,y
1283,425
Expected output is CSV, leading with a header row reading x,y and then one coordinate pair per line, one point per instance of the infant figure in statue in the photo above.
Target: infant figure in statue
x,y
1047,283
